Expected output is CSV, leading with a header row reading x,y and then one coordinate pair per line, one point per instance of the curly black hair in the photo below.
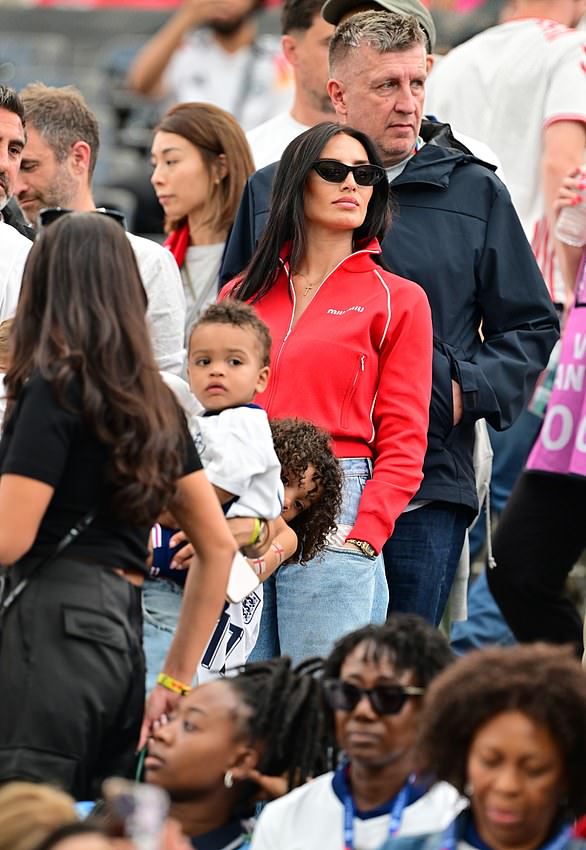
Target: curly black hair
x,y
545,683
299,444
409,641
288,717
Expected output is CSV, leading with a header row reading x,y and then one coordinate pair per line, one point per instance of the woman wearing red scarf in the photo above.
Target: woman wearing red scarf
x,y
201,161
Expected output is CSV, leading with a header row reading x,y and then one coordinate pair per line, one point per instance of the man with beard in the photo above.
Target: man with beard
x,y
305,41
14,247
56,171
210,51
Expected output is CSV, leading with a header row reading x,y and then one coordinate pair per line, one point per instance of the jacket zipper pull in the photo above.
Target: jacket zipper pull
x,y
362,358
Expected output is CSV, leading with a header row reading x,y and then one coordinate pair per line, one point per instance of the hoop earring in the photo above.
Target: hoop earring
x,y
228,779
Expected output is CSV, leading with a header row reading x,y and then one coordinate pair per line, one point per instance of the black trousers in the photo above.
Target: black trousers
x,y
71,677
539,538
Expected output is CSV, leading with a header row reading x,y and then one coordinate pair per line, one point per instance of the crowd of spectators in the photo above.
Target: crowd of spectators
x,y
244,451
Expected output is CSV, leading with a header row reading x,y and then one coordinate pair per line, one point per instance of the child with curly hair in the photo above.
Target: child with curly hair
x,y
287,473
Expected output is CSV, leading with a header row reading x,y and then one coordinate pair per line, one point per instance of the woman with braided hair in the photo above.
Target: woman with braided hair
x,y
229,737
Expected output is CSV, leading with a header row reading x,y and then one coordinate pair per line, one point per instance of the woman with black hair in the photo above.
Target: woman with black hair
x,y
507,727
267,721
352,347
94,448
374,682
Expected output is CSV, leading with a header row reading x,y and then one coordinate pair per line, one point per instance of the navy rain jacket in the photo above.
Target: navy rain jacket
x,y
456,233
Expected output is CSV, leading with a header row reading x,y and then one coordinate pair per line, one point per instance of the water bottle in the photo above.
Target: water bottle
x,y
571,223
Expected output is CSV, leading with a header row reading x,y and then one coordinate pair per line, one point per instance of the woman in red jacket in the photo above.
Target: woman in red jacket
x,y
352,346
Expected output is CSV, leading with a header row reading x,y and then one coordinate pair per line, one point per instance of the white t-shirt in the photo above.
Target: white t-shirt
x,y
269,140
253,83
505,86
166,309
312,818
200,274
14,248
237,453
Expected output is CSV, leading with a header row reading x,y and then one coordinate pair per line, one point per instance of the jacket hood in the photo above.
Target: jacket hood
x,y
434,163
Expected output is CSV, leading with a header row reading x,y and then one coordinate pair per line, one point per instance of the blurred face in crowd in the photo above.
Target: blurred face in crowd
x,y
382,95
376,740
307,51
189,755
43,181
517,778
11,146
224,365
338,206
227,16
181,179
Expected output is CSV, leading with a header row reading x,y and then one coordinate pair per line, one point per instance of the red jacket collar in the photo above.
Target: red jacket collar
x,y
357,261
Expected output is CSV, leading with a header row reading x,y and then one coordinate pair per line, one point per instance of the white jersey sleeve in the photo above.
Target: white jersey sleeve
x,y
237,453
166,309
14,248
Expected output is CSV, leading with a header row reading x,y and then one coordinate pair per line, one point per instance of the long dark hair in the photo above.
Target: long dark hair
x,y
213,131
81,321
286,221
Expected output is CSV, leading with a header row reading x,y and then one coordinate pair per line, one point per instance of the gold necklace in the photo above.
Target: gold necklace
x,y
309,286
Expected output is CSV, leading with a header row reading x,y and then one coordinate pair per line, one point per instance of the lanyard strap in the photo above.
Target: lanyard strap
x,y
395,814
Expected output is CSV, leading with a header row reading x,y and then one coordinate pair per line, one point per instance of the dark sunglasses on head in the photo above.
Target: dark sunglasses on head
x,y
336,172
384,699
50,214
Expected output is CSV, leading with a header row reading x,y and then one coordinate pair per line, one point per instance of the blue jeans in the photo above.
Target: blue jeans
x,y
161,602
422,556
306,609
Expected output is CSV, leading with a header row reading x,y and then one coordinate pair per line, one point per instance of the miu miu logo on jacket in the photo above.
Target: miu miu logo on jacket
x,y
357,309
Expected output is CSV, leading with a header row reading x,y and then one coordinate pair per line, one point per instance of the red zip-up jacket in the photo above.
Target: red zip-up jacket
x,y
357,363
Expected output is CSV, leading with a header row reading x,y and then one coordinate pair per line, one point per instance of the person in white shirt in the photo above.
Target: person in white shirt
x,y
374,682
336,11
210,51
200,161
305,41
14,247
530,107
56,170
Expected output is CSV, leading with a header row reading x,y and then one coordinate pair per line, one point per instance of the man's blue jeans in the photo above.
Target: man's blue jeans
x,y
307,608
422,556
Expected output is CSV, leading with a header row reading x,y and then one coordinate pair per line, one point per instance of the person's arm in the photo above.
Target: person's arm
x,y
147,69
564,143
23,504
166,308
282,546
400,417
571,192
196,508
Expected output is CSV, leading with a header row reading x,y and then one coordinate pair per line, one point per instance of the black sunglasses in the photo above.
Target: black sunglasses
x,y
336,172
50,214
384,699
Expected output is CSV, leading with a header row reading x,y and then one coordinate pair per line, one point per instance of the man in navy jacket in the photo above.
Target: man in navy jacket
x,y
456,233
